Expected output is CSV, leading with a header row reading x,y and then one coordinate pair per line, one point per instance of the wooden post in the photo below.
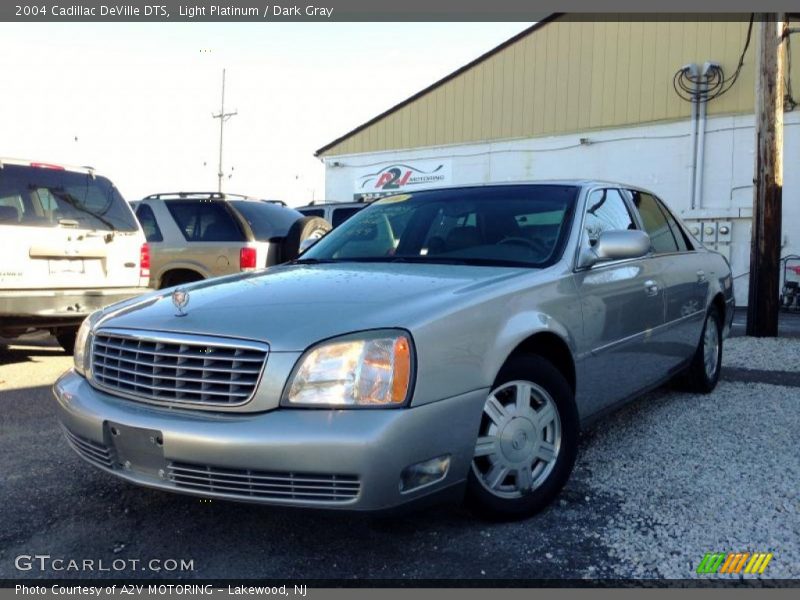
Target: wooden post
x,y
765,245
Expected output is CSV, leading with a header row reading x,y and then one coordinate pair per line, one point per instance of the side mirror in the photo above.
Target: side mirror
x,y
615,245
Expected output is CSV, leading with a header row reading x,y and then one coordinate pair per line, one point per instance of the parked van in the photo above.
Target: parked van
x,y
71,245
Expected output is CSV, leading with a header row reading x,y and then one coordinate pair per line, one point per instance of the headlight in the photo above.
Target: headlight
x,y
83,340
368,369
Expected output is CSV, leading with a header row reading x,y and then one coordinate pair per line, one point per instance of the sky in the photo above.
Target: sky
x,y
135,101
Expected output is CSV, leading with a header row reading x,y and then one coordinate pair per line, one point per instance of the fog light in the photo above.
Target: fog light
x,y
425,473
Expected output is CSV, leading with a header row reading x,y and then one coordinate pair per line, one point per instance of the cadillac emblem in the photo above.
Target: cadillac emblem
x,y
180,298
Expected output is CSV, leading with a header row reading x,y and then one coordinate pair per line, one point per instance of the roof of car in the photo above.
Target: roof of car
x,y
45,165
565,182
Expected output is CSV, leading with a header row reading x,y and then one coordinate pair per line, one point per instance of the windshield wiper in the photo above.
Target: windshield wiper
x,y
77,205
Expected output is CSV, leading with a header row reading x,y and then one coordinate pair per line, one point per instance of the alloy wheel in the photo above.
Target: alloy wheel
x,y
519,439
711,347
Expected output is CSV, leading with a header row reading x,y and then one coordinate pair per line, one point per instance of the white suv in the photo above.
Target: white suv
x,y
71,244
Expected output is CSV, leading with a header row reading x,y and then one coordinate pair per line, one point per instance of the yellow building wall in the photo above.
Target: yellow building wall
x,y
568,76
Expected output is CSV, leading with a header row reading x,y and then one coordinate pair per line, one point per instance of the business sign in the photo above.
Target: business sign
x,y
404,177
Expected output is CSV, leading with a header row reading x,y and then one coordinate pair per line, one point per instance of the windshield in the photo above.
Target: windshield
x,y
45,197
510,225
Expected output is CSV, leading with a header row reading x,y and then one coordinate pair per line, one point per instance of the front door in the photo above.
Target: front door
x,y
623,305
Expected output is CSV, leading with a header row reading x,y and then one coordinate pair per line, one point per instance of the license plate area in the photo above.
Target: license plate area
x,y
60,266
137,450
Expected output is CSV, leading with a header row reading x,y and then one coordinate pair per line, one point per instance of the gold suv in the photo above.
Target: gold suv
x,y
197,235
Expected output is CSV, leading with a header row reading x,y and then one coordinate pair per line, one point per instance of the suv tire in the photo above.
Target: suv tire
x,y
66,339
307,227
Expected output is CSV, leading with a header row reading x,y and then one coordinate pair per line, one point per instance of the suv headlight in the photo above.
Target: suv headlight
x,y
369,369
83,342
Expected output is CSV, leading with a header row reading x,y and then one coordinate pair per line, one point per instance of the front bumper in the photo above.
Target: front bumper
x,y
34,307
335,459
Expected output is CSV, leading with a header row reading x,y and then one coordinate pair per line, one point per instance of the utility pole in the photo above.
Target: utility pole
x,y
222,116
765,244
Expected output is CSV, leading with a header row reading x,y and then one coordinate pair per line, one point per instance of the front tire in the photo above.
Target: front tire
x,y
703,372
527,442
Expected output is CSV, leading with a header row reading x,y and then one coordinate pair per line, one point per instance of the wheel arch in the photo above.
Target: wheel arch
x,y
179,269
552,347
718,301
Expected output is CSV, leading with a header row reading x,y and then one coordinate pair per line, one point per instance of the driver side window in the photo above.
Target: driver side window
x,y
606,211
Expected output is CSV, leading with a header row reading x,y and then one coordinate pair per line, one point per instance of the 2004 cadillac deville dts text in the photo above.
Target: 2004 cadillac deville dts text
x,y
437,343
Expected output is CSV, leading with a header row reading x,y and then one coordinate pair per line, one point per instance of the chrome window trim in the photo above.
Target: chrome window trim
x,y
180,338
634,215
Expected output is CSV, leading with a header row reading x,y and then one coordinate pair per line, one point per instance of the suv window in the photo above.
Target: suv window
x,y
204,221
148,221
655,223
43,197
606,210
340,215
266,220
313,212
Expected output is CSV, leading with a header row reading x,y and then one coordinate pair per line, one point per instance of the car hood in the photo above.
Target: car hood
x,y
293,307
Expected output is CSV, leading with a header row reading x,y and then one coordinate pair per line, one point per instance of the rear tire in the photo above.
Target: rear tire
x,y
66,339
527,442
703,373
301,230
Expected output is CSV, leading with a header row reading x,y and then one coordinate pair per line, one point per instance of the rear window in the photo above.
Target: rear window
x,y
266,219
152,232
313,212
40,197
340,215
205,221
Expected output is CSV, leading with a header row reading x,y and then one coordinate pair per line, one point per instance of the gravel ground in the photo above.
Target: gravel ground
x,y
658,484
771,354
727,481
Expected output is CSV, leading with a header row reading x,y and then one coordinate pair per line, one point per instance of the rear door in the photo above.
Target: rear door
x,y
64,229
623,306
686,282
214,238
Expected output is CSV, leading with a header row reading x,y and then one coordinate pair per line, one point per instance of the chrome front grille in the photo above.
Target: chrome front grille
x,y
260,484
94,452
177,369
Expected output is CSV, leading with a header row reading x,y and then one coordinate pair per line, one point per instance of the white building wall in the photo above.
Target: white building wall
x,y
655,156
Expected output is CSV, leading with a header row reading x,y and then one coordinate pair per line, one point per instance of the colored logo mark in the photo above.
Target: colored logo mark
x,y
734,562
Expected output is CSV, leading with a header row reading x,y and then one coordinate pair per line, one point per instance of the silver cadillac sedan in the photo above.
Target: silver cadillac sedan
x,y
446,343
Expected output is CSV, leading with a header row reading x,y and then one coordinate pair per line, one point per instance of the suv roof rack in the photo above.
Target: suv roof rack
x,y
207,196
197,196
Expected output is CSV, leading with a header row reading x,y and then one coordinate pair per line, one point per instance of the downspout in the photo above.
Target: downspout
x,y
697,196
692,71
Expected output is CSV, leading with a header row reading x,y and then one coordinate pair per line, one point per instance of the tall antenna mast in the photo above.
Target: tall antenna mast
x,y
222,116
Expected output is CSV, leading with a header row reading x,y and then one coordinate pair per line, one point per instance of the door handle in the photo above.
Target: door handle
x,y
650,288
701,276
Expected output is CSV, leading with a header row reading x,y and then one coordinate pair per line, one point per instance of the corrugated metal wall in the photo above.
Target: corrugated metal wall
x,y
569,76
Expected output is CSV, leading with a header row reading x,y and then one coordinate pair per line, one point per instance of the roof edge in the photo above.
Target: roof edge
x,y
440,82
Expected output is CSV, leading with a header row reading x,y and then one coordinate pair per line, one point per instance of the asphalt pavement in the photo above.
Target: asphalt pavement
x,y
657,485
